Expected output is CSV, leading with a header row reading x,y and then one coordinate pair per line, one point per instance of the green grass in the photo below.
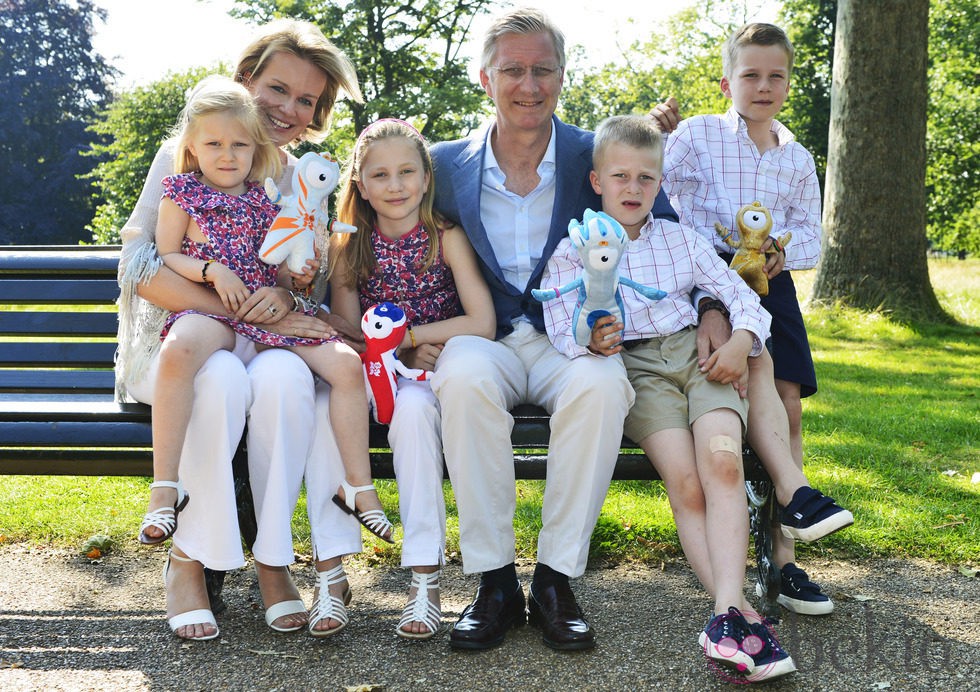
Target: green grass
x,y
893,434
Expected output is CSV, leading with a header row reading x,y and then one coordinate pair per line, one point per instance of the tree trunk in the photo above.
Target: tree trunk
x,y
874,245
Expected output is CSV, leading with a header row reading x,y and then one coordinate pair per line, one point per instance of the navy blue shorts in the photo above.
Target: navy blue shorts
x,y
789,345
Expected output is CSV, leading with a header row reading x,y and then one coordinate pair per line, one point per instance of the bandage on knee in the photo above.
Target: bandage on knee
x,y
723,443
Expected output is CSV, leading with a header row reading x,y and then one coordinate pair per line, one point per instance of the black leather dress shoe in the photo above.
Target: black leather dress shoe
x,y
562,623
485,621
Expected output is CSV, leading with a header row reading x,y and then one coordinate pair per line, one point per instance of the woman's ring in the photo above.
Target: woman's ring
x,y
272,309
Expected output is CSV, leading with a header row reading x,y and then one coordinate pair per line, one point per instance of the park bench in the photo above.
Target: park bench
x,y
58,415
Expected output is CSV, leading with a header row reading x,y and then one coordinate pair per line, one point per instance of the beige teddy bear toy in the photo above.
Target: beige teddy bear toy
x,y
754,223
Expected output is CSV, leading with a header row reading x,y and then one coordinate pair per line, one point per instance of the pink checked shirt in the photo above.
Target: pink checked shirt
x,y
671,258
712,169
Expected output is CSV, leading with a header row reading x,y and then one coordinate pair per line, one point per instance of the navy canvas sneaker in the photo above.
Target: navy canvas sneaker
x,y
770,659
722,639
811,515
798,594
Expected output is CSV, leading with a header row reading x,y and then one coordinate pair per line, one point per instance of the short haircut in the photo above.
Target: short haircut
x,y
757,34
306,41
524,20
219,94
637,131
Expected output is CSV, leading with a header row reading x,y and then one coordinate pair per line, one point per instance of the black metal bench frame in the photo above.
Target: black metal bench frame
x,y
58,417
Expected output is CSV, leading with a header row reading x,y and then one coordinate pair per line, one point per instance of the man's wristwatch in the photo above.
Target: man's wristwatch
x,y
712,304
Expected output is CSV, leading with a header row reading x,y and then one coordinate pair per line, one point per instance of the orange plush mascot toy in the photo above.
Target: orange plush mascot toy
x,y
384,328
291,236
754,224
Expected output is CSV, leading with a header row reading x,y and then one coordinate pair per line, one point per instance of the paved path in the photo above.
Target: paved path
x,y
68,624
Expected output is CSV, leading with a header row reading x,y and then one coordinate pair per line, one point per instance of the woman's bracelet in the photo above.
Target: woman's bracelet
x,y
204,272
411,336
301,303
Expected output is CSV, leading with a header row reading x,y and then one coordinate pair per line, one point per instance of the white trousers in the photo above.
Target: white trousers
x,y
416,443
477,382
289,437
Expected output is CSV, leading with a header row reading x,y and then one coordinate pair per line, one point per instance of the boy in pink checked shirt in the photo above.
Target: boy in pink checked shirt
x,y
714,165
689,425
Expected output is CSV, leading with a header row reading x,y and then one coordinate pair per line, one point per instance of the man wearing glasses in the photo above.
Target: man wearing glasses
x,y
514,186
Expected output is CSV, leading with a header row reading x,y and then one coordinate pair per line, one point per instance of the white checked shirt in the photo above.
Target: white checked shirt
x,y
712,168
666,256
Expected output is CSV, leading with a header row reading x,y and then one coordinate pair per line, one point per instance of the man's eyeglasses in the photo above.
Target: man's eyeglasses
x,y
516,73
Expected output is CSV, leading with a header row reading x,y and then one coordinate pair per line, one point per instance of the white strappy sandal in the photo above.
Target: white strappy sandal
x,y
327,606
374,520
420,608
201,616
164,518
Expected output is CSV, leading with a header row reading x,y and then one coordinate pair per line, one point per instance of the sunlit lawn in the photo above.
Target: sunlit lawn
x,y
892,434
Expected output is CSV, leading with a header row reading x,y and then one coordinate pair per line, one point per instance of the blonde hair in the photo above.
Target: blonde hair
x,y
218,94
524,20
756,34
637,131
305,41
354,250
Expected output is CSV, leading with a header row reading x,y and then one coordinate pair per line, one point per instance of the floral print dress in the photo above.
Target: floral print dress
x,y
235,228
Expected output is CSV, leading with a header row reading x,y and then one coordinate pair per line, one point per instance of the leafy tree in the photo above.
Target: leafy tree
x,y
874,250
52,83
810,26
953,140
133,126
682,60
407,57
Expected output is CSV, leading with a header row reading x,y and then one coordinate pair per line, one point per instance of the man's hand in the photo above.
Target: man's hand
x,y
606,337
667,115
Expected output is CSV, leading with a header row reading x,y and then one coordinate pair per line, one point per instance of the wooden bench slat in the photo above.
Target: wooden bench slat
x,y
74,354
57,381
95,324
48,291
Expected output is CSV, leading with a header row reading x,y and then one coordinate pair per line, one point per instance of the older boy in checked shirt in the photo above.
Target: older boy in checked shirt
x,y
714,165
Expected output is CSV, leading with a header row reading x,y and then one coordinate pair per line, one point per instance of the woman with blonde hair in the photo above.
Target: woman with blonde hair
x,y
295,75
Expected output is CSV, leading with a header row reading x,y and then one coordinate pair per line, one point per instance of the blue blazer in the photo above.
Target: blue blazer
x,y
458,167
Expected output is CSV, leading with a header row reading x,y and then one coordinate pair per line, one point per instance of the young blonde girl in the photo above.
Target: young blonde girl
x,y
213,217
404,253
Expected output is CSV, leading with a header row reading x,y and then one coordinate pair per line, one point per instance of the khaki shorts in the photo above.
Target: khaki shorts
x,y
671,392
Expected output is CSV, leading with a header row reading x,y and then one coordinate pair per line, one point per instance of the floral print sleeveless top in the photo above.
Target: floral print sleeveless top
x,y
427,297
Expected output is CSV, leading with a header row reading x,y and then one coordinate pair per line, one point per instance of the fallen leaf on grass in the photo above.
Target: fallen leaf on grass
x,y
971,572
97,546
949,472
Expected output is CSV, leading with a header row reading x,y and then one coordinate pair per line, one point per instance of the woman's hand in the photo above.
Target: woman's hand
x,y
299,324
266,306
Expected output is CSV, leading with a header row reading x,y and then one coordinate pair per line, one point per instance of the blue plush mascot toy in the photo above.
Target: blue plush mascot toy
x,y
600,241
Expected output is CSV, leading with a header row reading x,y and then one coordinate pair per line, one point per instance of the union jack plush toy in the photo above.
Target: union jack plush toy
x,y
384,328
